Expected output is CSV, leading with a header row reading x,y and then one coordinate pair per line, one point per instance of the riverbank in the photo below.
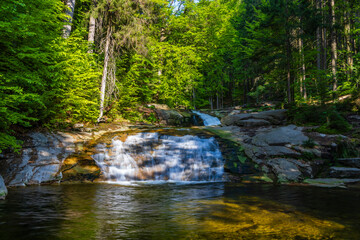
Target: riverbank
x,y
265,149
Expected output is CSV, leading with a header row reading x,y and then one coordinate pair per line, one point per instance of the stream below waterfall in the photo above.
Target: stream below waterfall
x,y
169,184
171,211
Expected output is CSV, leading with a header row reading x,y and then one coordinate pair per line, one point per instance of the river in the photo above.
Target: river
x,y
179,211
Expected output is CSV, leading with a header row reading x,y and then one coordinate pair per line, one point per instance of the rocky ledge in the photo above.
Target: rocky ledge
x,y
285,153
48,157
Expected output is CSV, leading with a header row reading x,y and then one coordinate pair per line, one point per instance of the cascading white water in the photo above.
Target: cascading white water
x,y
207,119
157,157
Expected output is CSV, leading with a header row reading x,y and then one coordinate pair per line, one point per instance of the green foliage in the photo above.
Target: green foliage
x,y
308,156
75,93
43,77
310,143
329,119
347,148
27,29
335,123
189,54
242,159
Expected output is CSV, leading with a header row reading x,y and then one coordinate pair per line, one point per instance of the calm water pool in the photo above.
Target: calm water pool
x,y
169,211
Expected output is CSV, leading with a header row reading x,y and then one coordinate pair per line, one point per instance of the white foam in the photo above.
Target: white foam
x,y
207,119
150,156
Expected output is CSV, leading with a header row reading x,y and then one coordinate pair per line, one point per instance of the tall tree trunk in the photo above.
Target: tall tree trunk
x,y
303,67
290,82
349,59
91,36
245,90
333,44
318,46
105,72
70,12
323,37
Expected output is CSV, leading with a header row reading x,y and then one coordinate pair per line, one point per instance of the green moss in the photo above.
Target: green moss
x,y
308,156
265,178
222,134
310,143
347,148
242,158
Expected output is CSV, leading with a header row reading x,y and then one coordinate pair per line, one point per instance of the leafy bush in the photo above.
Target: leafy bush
x,y
310,143
347,149
327,117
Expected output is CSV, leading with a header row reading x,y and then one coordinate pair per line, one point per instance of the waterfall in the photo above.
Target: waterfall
x,y
208,120
158,157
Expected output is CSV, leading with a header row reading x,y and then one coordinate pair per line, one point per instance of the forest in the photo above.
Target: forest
x,y
64,62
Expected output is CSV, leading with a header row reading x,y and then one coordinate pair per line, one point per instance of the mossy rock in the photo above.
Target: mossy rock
x,y
80,168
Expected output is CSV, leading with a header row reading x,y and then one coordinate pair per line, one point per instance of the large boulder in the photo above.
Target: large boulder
x,y
174,117
253,123
3,189
80,167
40,160
257,118
289,170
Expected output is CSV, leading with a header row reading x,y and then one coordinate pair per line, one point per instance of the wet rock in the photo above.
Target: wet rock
x,y
174,118
331,182
80,168
3,189
40,160
288,170
344,172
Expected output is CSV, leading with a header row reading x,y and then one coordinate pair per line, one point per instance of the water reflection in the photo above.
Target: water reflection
x,y
168,211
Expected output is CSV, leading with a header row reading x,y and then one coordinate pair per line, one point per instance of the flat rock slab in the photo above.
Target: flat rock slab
x,y
276,151
253,123
331,182
288,169
351,162
264,118
290,134
343,172
3,189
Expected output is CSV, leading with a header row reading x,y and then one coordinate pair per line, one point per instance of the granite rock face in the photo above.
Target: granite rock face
x,y
282,152
289,170
40,159
280,136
